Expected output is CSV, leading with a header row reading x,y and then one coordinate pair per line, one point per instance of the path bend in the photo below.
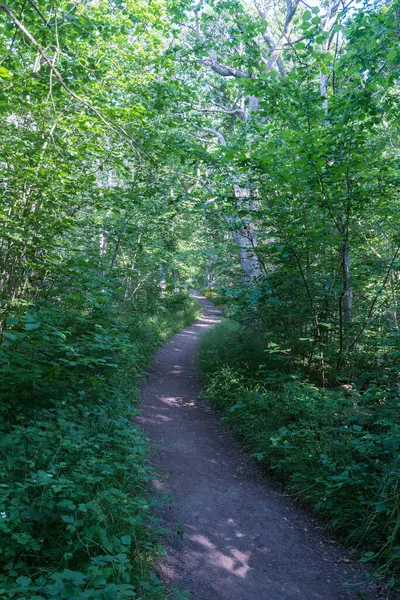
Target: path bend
x,y
242,540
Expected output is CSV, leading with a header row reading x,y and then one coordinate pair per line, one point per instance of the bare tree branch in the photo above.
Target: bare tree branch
x,y
268,38
216,134
224,70
218,109
291,8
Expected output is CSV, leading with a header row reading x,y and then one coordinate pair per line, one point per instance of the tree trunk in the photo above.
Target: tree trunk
x,y
244,234
394,302
209,279
103,243
163,280
347,290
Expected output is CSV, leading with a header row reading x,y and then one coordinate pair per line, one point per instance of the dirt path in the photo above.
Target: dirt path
x,y
242,540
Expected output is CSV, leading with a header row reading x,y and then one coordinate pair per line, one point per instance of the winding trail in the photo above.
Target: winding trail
x,y
242,540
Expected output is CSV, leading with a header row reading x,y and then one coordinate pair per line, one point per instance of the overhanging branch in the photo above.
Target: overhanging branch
x,y
224,70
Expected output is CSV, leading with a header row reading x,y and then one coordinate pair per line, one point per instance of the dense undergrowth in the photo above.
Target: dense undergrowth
x,y
336,450
150,145
75,517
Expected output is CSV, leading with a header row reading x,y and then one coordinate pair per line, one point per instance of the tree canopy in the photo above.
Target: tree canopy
x,y
245,146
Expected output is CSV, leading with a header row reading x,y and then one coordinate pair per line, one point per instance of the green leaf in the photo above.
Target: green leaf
x,y
5,73
10,336
259,455
68,518
31,326
126,540
12,320
367,556
24,581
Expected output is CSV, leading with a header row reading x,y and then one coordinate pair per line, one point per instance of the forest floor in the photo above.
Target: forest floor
x,y
234,535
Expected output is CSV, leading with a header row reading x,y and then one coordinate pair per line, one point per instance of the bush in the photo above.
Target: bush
x,y
75,517
337,452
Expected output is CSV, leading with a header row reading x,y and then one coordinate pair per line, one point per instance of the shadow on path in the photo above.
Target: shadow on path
x,y
241,539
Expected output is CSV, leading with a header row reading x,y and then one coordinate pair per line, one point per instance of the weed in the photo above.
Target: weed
x,y
337,452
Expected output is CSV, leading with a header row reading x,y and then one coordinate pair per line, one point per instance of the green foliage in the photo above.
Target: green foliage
x,y
337,451
94,252
126,130
321,173
75,512
214,296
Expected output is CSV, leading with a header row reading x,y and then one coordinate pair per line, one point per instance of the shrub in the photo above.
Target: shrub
x,y
75,517
337,452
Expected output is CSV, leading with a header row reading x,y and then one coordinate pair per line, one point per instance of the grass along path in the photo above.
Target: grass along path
x,y
233,536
